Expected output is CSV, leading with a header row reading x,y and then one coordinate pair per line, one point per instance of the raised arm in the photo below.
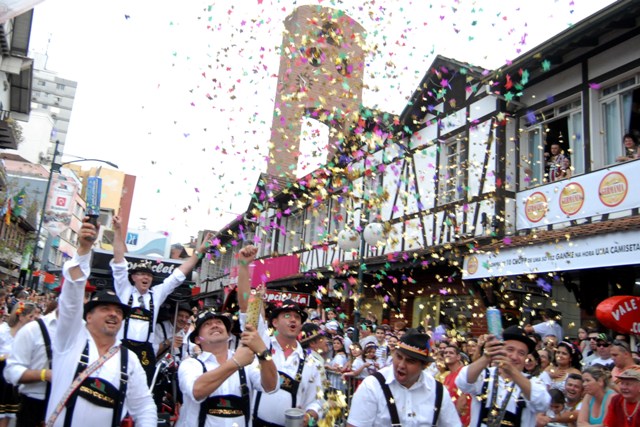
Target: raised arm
x,y
119,247
75,272
190,263
246,256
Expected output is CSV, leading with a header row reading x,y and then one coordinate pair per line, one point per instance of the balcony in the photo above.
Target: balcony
x,y
611,192
10,133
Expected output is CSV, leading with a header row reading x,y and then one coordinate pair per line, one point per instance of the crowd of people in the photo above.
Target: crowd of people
x,y
96,356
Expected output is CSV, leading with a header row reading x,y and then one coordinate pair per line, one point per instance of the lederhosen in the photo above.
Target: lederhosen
x,y
510,419
391,403
98,391
144,350
288,384
33,411
228,405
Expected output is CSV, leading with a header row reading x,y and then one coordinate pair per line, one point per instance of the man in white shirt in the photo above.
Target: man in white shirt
x,y
504,393
137,330
94,376
29,368
603,351
403,394
217,385
300,382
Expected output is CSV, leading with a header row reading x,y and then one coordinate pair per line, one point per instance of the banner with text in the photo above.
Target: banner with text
x,y
608,190
612,249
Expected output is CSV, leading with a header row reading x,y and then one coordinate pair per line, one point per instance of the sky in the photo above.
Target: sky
x,y
181,94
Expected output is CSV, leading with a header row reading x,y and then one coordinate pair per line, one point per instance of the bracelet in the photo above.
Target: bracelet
x,y
43,375
199,254
236,362
242,262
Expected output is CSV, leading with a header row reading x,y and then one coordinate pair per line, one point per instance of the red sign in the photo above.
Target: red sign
x,y
621,313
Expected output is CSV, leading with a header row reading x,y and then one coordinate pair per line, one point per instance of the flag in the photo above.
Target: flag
x,y
7,214
18,202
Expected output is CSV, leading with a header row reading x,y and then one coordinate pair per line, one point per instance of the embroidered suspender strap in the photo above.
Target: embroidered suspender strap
x,y
47,349
77,381
391,404
246,400
151,307
438,403
124,378
298,378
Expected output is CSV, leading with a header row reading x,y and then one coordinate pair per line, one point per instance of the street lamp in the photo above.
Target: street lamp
x,y
55,167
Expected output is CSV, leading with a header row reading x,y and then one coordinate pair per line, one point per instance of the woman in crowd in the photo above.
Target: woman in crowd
x,y
545,358
21,314
532,365
337,364
567,361
597,396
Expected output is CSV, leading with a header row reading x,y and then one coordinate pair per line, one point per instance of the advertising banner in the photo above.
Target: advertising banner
x,y
59,208
612,249
605,191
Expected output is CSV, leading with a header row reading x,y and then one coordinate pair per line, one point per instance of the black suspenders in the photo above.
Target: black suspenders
x,y
391,405
244,394
47,349
484,411
294,392
122,391
126,321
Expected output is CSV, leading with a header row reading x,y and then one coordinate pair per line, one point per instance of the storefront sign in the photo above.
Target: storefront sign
x,y
622,248
609,190
620,313
274,297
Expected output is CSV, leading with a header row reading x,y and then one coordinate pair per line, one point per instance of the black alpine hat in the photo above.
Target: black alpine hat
x,y
287,305
310,332
415,345
203,317
516,333
140,267
105,297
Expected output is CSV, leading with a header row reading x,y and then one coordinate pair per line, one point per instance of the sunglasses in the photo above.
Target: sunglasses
x,y
603,344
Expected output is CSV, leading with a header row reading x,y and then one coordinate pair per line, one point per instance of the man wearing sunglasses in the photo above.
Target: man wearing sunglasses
x,y
603,351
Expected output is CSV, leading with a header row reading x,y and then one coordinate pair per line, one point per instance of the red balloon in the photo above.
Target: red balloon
x,y
621,313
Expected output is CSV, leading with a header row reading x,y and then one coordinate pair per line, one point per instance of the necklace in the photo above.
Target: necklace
x,y
629,417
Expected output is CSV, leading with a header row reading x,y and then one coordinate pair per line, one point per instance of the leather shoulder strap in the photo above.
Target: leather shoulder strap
x,y
393,411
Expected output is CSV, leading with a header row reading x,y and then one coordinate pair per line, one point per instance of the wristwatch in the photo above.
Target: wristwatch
x,y
264,355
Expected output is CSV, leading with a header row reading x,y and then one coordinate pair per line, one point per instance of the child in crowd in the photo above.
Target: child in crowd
x,y
556,407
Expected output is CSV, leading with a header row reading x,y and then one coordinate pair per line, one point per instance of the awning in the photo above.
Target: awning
x,y
604,250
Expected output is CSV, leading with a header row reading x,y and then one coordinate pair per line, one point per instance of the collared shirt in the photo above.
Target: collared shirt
x,y
538,401
29,353
415,404
139,329
69,342
310,392
550,327
190,370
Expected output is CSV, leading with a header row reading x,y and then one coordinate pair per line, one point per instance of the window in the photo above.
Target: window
x,y
452,170
60,86
620,107
42,83
560,125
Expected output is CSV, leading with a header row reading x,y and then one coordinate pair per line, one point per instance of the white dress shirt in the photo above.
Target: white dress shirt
x,y
539,400
139,329
29,353
415,405
190,370
310,394
69,342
